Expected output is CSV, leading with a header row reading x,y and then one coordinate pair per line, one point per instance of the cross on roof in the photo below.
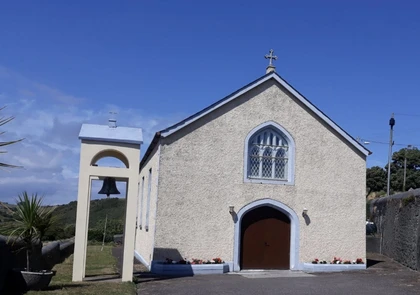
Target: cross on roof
x,y
271,57
112,121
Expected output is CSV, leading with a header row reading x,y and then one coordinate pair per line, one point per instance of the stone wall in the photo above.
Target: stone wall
x,y
12,257
5,262
398,222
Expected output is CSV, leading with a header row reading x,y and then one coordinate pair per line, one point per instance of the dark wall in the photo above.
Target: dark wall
x,y
398,222
5,263
11,256
13,252
373,244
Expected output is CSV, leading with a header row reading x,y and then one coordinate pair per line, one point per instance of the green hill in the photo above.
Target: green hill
x,y
64,228
113,207
6,211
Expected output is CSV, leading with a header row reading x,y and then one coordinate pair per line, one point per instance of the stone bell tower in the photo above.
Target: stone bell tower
x,y
97,142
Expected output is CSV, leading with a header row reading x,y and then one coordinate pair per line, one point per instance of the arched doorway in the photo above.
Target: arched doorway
x,y
265,239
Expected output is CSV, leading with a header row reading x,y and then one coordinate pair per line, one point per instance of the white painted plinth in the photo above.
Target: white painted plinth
x,y
188,269
310,267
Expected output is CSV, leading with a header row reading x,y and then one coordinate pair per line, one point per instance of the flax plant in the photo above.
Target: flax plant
x,y
31,221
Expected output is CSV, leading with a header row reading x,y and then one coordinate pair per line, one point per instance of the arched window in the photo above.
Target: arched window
x,y
269,155
267,163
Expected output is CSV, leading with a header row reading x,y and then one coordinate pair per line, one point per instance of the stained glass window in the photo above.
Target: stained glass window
x,y
268,153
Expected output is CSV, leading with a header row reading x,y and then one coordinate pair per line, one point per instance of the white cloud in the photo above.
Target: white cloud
x,y
57,95
50,122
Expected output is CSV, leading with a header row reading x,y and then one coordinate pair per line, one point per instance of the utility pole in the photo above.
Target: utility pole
x,y
103,240
391,143
405,164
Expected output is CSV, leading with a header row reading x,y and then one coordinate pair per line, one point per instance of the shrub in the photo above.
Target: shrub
x,y
408,200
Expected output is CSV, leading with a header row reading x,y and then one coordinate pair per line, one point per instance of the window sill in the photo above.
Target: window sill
x,y
269,181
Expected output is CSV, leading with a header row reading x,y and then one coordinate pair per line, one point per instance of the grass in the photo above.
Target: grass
x,y
100,262
97,263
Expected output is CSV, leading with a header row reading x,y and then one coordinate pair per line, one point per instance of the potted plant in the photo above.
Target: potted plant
x,y
31,221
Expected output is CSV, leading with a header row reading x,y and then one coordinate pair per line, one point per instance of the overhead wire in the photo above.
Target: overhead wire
x,y
387,143
368,141
408,115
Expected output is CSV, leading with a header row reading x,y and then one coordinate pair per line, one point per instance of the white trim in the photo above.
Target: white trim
x,y
141,259
294,231
156,203
149,188
291,161
293,92
138,207
140,223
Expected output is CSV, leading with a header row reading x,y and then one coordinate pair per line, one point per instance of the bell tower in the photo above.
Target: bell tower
x,y
97,142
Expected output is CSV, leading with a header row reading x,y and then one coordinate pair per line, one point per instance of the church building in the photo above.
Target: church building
x,y
262,179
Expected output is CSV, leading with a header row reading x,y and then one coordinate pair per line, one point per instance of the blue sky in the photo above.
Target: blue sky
x,y
156,62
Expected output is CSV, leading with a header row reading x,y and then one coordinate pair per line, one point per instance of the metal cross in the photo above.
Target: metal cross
x,y
112,121
271,57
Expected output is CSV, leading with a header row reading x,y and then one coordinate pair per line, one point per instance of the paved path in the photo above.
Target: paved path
x,y
383,277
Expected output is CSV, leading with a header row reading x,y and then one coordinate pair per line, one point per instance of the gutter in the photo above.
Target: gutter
x,y
149,150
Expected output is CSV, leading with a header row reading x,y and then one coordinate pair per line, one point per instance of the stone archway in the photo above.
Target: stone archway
x,y
112,153
294,231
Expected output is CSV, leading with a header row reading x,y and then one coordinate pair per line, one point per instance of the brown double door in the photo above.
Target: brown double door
x,y
265,239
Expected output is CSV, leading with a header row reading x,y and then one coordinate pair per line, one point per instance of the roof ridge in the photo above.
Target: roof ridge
x,y
271,75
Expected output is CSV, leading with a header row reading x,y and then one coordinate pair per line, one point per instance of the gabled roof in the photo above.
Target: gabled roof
x,y
273,75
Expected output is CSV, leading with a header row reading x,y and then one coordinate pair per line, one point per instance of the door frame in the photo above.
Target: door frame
x,y
294,231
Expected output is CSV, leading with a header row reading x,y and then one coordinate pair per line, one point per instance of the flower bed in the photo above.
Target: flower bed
x,y
194,261
336,264
338,260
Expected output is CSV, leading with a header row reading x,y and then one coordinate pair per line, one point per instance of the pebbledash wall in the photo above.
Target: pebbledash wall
x,y
146,215
202,174
398,223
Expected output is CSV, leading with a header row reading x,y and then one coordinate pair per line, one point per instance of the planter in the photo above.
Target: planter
x,y
310,267
35,280
188,269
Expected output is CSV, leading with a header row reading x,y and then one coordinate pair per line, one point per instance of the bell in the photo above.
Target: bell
x,y
109,187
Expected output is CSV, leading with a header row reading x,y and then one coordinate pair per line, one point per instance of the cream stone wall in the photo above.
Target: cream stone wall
x,y
145,238
201,174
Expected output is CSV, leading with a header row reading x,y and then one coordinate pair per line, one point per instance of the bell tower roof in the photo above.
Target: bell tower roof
x,y
111,134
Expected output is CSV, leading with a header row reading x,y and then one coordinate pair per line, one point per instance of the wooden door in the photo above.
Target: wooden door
x,y
265,239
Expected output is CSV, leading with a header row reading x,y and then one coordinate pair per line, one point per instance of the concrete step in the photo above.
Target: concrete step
x,y
260,274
